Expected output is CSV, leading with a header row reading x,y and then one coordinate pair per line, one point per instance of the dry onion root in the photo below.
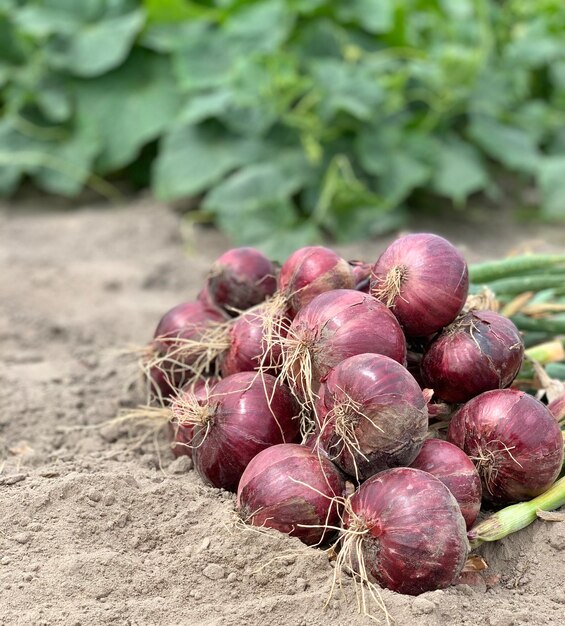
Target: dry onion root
x,y
334,326
371,415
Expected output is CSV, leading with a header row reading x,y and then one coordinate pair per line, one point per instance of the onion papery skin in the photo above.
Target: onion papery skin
x,y
248,350
361,275
240,279
339,324
432,279
456,471
188,320
246,413
311,271
416,539
514,441
480,351
181,434
557,407
269,495
379,401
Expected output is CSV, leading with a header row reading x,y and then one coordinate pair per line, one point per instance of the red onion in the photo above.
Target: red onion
x,y
408,529
480,351
166,364
513,440
424,279
241,278
187,320
290,488
244,414
334,326
372,415
248,349
361,275
181,434
311,271
456,471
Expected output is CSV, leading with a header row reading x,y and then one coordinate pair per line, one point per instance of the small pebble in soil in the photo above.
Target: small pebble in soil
x,y
213,571
204,545
108,499
421,606
232,577
301,584
94,495
180,465
22,537
5,561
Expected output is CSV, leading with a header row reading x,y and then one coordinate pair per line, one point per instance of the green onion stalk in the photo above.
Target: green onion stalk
x,y
517,516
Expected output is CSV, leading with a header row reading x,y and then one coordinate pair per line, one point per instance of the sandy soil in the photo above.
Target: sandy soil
x,y
93,532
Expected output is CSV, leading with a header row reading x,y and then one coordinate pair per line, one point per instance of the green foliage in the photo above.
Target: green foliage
x,y
292,119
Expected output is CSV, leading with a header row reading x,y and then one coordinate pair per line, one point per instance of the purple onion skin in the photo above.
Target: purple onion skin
x,y
240,279
361,275
417,539
248,413
433,285
311,271
188,320
390,417
181,434
342,323
479,352
248,350
517,438
456,471
268,495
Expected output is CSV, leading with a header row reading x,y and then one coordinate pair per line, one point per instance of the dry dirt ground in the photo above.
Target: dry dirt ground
x,y
94,532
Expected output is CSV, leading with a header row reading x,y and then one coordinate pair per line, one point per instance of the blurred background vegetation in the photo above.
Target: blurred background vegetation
x,y
288,120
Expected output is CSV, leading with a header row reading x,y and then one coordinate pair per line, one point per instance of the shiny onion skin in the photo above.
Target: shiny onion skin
x,y
244,414
240,279
416,539
288,487
181,435
514,441
339,324
424,280
187,320
456,471
248,348
311,271
372,415
480,351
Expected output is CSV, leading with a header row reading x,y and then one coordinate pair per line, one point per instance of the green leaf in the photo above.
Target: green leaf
x,y
69,163
193,158
375,16
551,179
129,106
59,165
163,11
206,106
403,174
97,48
459,171
256,186
347,87
55,102
512,146
263,26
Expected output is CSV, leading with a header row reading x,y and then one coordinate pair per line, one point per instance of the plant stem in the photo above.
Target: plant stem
x,y
517,516
546,325
493,270
520,284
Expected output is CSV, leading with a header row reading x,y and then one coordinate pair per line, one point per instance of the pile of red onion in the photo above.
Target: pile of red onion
x,y
325,387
